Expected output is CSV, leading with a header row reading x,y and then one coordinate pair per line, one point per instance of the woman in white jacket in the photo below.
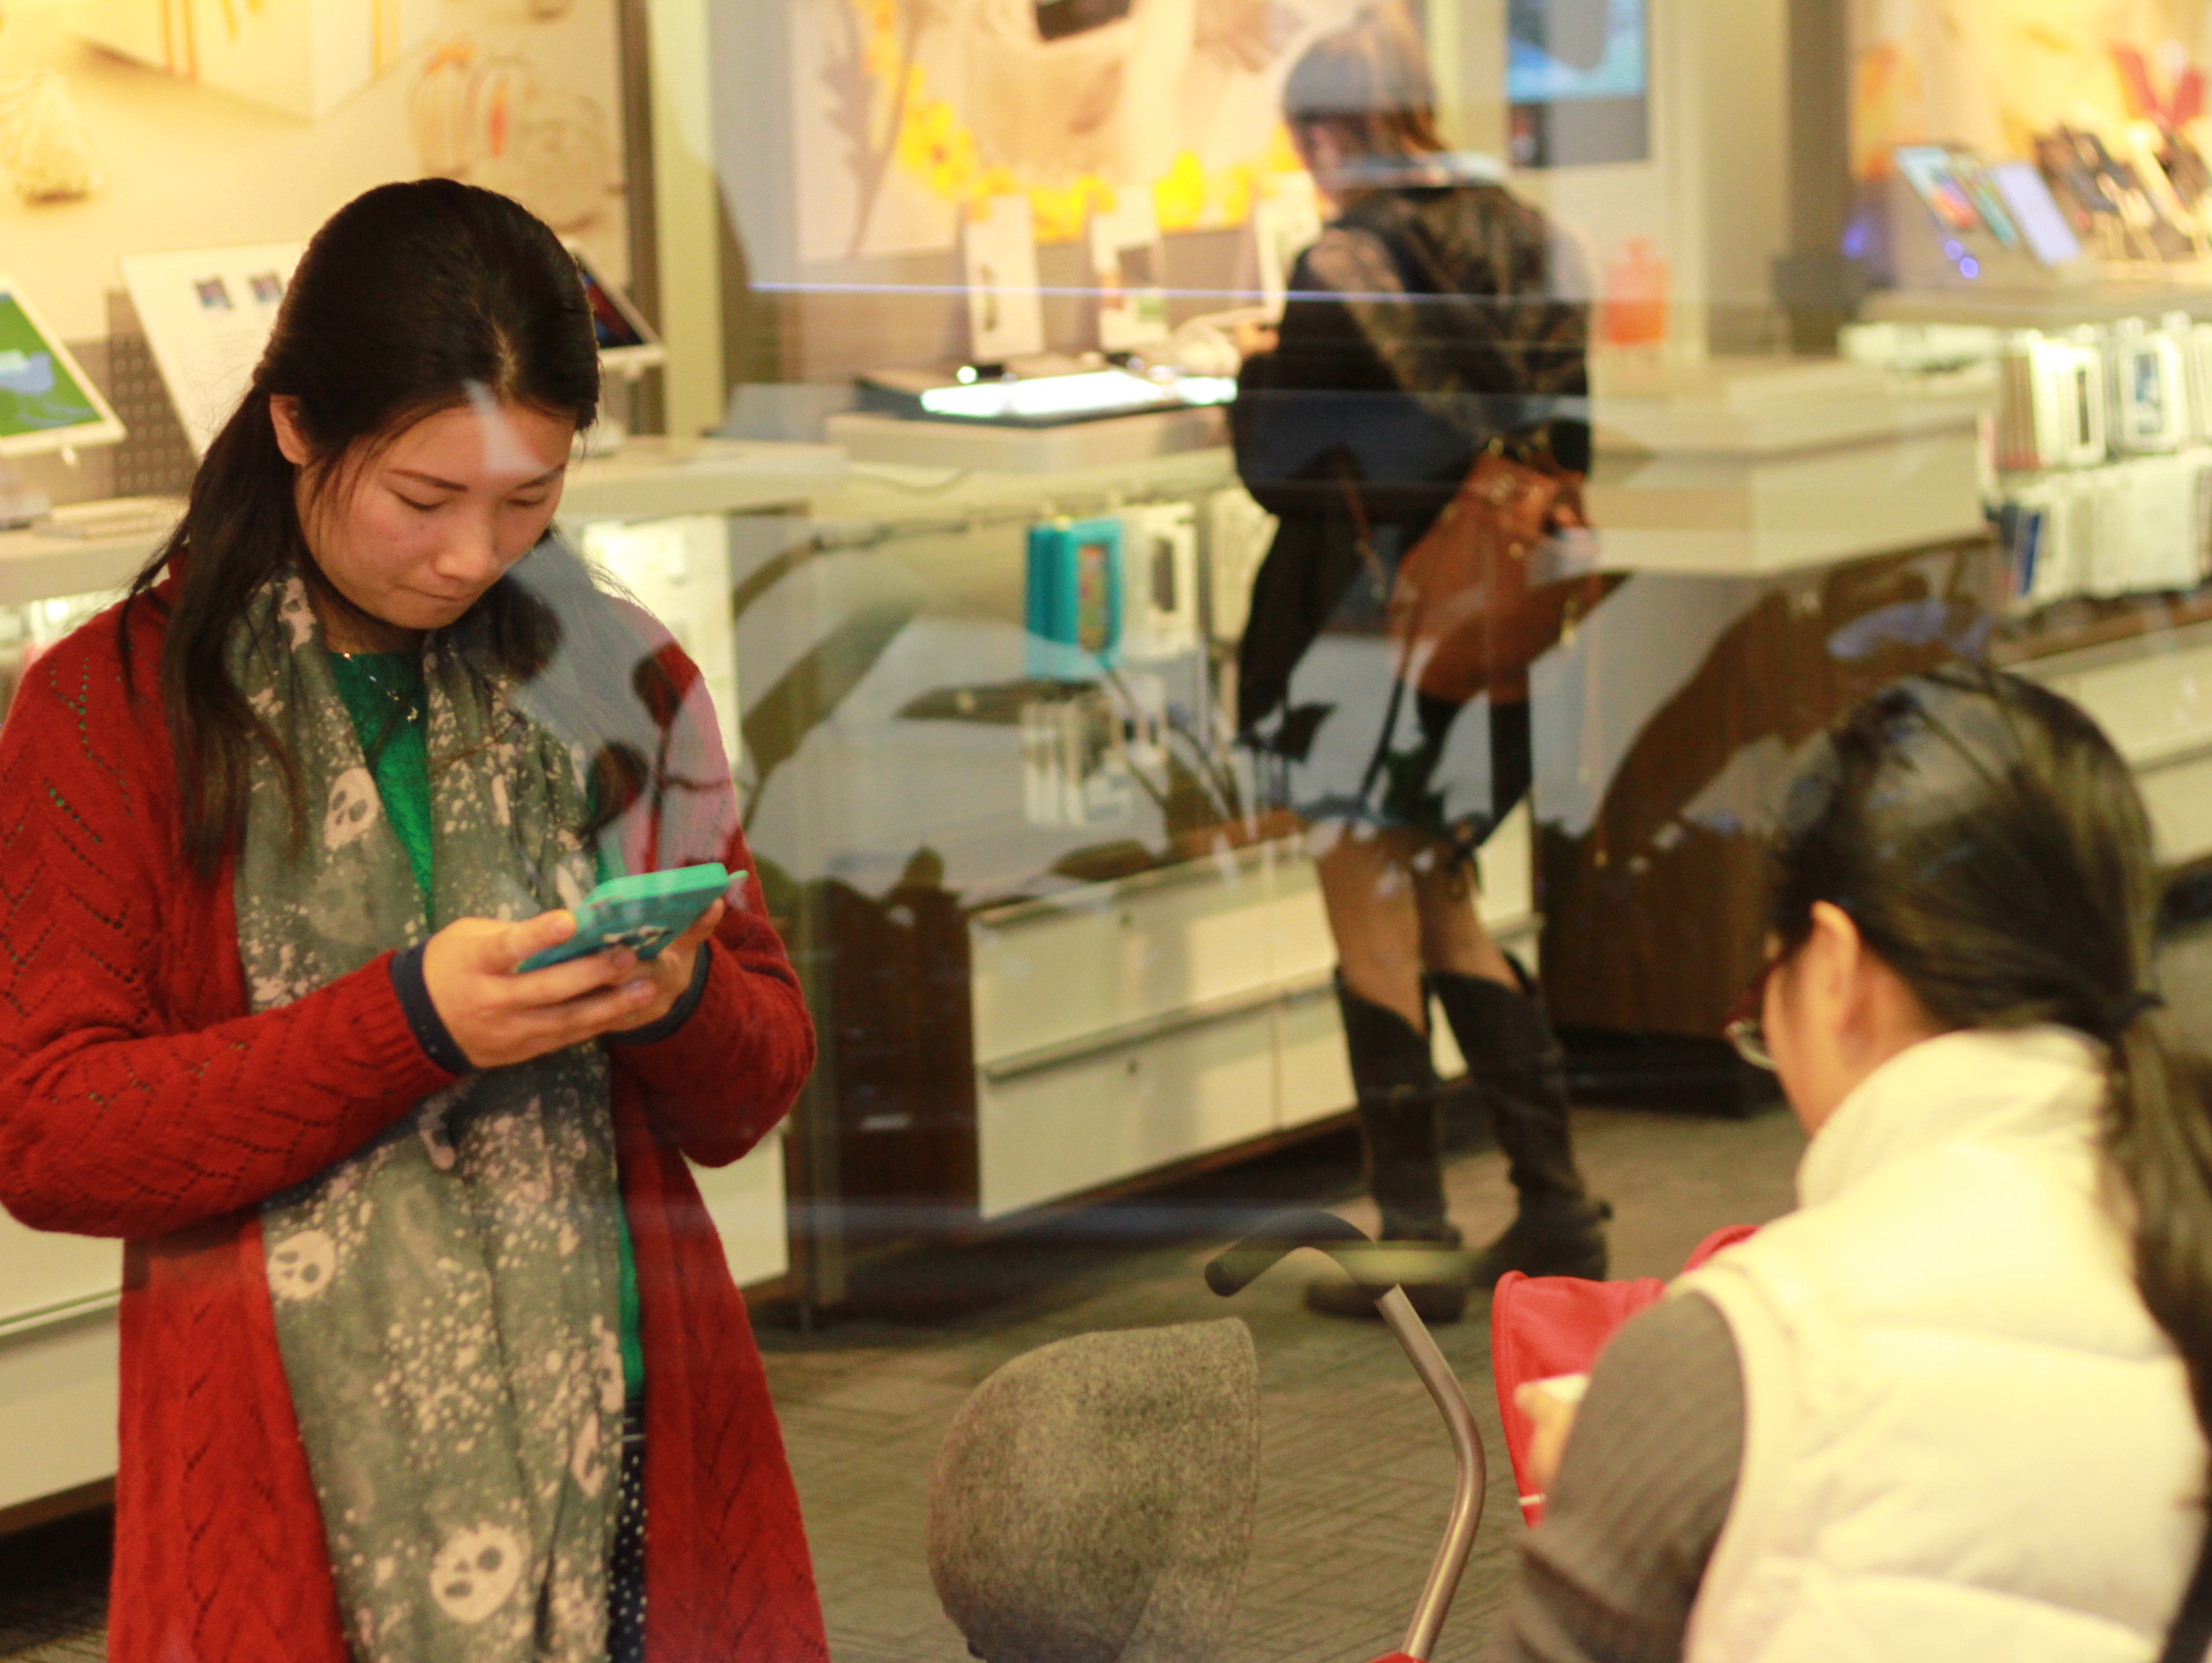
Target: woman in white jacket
x,y
1954,1406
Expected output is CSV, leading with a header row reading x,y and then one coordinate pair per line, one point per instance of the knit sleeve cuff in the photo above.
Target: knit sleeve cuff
x,y
421,1013
679,1014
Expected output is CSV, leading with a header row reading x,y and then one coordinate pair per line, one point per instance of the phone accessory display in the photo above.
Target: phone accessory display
x,y
643,912
2145,535
1072,603
2053,405
2147,390
2195,340
1159,553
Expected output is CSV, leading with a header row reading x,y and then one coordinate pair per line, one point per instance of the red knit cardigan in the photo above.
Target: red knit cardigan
x,y
139,1099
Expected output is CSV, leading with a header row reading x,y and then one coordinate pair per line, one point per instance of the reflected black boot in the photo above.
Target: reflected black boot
x,y
1401,1137
1513,1054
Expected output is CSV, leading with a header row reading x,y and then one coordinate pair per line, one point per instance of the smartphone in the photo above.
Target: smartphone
x,y
643,913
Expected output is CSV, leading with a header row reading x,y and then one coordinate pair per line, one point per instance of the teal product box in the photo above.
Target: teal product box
x,y
1073,605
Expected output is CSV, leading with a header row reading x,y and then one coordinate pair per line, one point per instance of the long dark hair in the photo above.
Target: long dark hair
x,y
1991,847
412,299
1369,84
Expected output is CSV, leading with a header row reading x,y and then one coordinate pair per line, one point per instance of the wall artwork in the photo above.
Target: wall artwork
x,y
143,127
908,110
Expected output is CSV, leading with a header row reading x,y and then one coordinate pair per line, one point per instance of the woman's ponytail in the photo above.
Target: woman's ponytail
x,y
2158,1144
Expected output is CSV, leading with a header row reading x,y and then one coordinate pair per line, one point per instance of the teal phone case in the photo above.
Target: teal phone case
x,y
643,913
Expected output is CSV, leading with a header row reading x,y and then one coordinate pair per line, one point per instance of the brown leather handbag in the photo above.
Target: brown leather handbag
x,y
1466,616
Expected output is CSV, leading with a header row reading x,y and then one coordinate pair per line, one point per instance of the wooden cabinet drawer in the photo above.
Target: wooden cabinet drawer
x,y
1129,953
1056,1130
59,1404
44,1276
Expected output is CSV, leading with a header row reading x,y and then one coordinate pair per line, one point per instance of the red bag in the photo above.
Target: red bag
x,y
1545,1326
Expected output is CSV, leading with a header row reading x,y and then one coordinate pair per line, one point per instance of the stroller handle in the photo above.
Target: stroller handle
x,y
1237,1266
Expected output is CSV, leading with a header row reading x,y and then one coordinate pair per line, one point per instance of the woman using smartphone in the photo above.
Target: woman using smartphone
x,y
428,1349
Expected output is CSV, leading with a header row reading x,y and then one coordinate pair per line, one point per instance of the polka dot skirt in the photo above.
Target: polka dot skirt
x,y
626,1563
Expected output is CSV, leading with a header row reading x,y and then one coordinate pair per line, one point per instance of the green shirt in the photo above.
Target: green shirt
x,y
383,691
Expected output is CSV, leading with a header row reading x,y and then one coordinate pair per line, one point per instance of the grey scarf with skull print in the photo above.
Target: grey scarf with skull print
x,y
448,1297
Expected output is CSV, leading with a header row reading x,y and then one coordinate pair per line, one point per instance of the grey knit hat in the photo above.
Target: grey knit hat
x,y
1093,1500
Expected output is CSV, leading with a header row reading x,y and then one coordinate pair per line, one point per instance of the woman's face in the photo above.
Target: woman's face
x,y
414,531
1833,1013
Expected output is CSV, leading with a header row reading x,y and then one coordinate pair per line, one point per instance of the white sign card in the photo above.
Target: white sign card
x,y
1006,310
207,314
1129,263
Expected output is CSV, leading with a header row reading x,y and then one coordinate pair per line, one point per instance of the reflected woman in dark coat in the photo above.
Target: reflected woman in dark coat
x,y
1433,319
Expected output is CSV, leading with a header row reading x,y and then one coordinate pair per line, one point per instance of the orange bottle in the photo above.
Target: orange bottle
x,y
1633,313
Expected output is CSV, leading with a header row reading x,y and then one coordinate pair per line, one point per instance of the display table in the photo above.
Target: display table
x,y
1746,467
58,1293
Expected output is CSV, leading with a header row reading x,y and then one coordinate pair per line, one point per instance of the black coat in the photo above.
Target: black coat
x,y
1427,320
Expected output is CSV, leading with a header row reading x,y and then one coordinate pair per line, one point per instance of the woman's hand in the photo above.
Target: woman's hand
x,y
498,1017
1551,1412
672,968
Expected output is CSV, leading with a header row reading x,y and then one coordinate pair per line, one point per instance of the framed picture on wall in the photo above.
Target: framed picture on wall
x,y
1577,81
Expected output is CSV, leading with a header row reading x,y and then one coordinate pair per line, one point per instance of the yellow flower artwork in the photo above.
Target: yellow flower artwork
x,y
954,102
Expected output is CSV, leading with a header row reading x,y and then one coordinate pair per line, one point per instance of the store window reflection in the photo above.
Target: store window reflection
x,y
1261,568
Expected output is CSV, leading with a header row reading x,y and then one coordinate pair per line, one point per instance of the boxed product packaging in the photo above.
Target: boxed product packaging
x,y
2147,390
1159,553
2053,407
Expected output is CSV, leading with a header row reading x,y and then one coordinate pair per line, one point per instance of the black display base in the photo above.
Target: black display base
x,y
1680,1072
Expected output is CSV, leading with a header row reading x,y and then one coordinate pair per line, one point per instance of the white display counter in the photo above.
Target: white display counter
x,y
1746,467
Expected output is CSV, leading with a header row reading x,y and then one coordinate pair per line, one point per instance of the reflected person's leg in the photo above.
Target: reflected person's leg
x,y
1454,939
1496,1015
1370,896
1373,915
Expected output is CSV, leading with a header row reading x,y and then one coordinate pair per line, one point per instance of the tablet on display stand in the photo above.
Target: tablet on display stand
x,y
207,314
47,404
628,348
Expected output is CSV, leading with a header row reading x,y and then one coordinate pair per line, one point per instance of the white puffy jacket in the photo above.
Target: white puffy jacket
x,y
1965,1438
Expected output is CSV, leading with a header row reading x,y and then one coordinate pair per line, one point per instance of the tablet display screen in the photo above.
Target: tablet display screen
x,y
38,393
